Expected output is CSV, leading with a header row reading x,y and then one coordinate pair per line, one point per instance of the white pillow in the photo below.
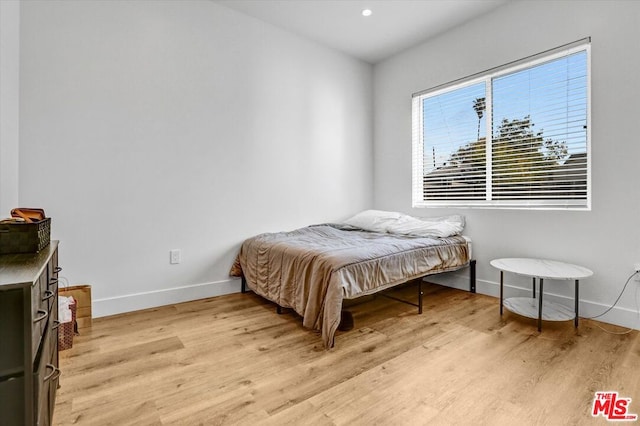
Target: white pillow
x,y
454,218
400,223
438,227
373,220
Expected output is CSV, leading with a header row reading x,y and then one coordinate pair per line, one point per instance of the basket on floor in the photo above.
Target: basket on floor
x,y
67,330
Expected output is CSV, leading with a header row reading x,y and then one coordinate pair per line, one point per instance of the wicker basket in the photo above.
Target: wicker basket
x,y
25,237
66,330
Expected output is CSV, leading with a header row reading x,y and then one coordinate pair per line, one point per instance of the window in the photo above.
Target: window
x,y
516,136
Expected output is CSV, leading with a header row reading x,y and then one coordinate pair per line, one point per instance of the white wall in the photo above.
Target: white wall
x,y
147,126
605,239
9,104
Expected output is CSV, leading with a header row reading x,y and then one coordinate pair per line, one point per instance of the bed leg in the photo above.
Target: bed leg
x,y
243,288
420,293
472,276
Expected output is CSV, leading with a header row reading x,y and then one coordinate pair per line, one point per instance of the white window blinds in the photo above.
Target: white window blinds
x,y
517,136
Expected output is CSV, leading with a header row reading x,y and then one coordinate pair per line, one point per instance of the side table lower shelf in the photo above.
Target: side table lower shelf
x,y
528,307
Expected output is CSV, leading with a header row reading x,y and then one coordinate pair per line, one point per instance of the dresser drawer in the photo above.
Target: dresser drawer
x,y
45,378
53,285
49,295
39,312
11,312
9,404
55,382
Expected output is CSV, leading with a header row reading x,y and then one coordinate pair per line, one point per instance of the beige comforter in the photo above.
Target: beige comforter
x,y
312,269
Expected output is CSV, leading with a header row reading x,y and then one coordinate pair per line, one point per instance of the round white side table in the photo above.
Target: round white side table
x,y
540,269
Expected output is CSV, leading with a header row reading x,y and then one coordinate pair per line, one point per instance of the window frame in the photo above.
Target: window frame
x,y
487,77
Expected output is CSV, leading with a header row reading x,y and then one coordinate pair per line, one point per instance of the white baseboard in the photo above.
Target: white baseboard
x,y
133,302
623,317
153,299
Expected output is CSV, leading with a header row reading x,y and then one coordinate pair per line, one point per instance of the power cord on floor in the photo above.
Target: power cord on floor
x,y
627,331
616,302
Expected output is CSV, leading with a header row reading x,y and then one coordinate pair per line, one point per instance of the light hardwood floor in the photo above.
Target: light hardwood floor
x,y
233,360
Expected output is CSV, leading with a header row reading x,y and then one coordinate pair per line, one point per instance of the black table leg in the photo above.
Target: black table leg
x,y
575,321
534,287
540,306
501,290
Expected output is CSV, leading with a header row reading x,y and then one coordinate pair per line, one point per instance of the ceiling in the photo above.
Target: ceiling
x,y
394,25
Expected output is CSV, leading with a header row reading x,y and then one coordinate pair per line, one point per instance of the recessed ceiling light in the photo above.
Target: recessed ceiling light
x,y
366,12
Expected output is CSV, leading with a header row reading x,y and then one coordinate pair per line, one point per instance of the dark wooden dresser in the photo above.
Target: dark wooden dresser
x,y
28,336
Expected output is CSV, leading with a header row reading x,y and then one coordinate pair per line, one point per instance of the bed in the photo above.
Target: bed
x,y
313,269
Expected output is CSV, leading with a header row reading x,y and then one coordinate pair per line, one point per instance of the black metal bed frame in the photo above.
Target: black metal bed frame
x,y
472,288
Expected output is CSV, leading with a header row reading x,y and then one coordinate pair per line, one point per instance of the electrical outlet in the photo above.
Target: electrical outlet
x,y
175,256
